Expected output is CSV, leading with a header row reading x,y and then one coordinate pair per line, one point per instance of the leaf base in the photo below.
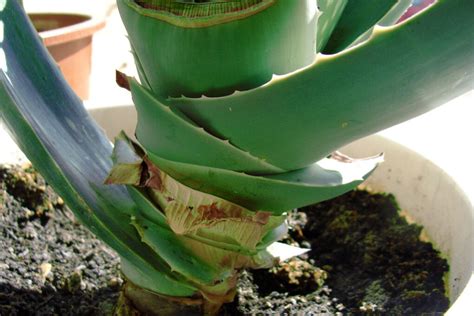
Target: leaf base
x,y
137,301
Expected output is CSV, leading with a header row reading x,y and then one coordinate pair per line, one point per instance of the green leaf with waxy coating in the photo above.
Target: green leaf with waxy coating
x,y
50,124
390,18
165,133
219,267
358,17
330,13
276,193
331,102
401,72
178,55
189,212
394,14
166,244
149,211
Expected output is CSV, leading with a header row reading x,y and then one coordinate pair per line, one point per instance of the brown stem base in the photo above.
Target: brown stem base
x,y
135,301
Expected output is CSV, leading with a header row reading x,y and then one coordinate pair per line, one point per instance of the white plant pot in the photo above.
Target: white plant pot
x,y
430,196
433,199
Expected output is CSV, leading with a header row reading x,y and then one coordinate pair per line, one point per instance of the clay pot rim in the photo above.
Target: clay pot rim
x,y
73,32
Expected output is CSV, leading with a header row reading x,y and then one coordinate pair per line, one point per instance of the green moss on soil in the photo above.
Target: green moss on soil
x,y
374,257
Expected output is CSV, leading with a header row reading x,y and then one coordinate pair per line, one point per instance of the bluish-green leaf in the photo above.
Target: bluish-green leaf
x,y
170,248
358,17
165,133
330,13
236,50
277,193
50,124
401,72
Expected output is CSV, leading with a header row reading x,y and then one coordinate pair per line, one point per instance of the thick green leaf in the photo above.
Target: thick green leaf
x,y
394,14
390,18
403,71
165,243
358,17
203,237
51,126
220,53
188,212
277,193
330,13
151,212
166,134
146,208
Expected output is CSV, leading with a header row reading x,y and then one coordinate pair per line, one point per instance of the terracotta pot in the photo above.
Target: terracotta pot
x,y
68,38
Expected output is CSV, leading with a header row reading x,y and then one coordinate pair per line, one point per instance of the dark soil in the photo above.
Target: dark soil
x,y
365,259
371,262
374,259
50,264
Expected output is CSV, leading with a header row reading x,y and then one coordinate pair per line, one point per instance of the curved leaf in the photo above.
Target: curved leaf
x,y
358,17
276,193
167,134
165,243
186,211
390,18
150,209
178,55
330,13
401,72
394,14
51,126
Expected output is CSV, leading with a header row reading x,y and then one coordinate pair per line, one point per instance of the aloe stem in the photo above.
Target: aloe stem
x,y
134,300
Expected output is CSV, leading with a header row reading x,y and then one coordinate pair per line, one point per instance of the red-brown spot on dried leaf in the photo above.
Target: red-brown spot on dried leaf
x,y
227,261
122,80
211,212
152,175
262,217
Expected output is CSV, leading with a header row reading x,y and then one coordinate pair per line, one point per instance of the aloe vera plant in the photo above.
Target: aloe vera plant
x,y
241,106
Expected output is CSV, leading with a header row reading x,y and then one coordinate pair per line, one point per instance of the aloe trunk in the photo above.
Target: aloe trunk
x,y
241,106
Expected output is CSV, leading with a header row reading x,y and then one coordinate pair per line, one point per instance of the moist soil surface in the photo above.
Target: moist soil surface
x,y
365,259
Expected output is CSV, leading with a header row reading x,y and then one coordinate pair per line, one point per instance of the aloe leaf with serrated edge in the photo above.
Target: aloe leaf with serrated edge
x,y
330,13
177,139
326,103
276,193
173,251
149,211
390,18
358,17
159,39
51,126
188,212
215,238
401,72
152,212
